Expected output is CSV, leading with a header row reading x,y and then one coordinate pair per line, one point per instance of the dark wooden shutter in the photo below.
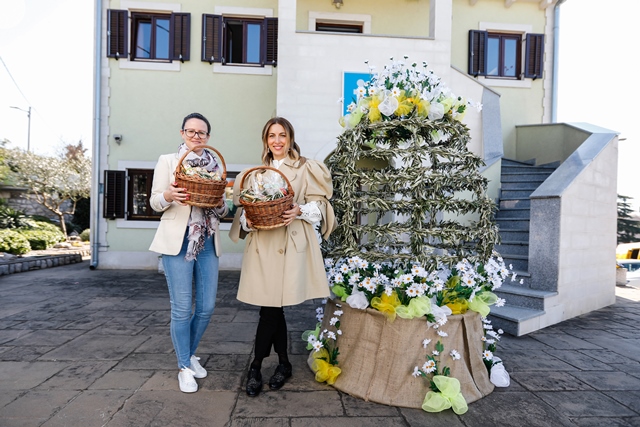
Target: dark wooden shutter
x,y
211,38
534,56
270,48
180,43
117,26
114,191
478,52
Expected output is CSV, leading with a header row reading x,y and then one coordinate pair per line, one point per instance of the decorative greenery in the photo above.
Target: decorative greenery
x,y
324,344
42,239
85,235
424,199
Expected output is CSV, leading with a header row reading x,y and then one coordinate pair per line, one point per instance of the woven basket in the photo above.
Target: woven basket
x,y
203,193
267,215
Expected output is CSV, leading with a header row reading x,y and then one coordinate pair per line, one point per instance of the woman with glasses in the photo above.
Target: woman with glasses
x,y
284,266
188,240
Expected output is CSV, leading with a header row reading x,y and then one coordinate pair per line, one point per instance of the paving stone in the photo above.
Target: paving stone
x,y
260,422
289,404
47,337
122,380
224,362
34,407
355,407
563,341
8,396
77,376
579,360
168,408
26,375
630,399
23,354
584,403
147,361
517,410
349,422
96,346
600,422
8,335
226,347
92,408
520,360
155,344
609,380
419,418
551,381
629,368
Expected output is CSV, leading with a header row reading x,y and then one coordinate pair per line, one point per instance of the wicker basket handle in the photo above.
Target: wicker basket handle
x,y
289,188
224,165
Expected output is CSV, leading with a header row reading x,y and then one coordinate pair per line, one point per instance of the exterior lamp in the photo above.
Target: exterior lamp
x,y
337,3
28,125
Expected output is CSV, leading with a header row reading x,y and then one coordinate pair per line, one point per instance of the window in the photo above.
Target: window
x,y
232,40
339,27
126,194
138,192
499,55
154,36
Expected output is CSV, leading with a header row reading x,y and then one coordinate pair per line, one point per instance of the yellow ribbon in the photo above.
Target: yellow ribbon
x,y
449,396
325,372
417,307
459,306
386,304
482,301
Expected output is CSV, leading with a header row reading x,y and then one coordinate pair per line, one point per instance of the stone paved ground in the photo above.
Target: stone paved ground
x,y
92,348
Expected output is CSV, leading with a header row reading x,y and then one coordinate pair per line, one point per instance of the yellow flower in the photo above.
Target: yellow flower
x,y
386,304
374,112
404,108
325,372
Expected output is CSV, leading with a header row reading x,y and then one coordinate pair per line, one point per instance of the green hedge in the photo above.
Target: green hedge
x,y
41,239
13,242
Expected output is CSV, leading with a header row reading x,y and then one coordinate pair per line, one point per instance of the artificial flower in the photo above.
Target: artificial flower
x,y
325,372
482,301
459,306
388,105
311,336
386,304
358,300
417,307
449,396
499,376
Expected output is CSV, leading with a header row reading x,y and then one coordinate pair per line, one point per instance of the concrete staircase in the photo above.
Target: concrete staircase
x,y
524,305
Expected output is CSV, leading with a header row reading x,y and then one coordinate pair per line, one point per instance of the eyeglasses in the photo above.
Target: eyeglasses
x,y
191,133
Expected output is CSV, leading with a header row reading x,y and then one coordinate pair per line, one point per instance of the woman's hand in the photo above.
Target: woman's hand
x,y
291,214
176,194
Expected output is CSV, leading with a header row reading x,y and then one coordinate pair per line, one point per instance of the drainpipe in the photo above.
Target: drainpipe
x,y
95,185
554,81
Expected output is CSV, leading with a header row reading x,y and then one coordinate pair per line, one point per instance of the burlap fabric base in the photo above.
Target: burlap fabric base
x,y
377,357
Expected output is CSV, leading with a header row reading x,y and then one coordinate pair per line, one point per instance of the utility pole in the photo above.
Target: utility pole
x,y
28,125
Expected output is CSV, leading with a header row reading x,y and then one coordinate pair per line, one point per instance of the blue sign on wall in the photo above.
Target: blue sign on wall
x,y
349,86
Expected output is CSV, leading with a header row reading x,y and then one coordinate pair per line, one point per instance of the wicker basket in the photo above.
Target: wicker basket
x,y
203,193
267,215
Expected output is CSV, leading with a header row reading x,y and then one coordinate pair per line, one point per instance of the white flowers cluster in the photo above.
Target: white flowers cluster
x,y
432,364
319,341
400,90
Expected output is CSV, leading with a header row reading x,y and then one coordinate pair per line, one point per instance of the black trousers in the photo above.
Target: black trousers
x,y
272,331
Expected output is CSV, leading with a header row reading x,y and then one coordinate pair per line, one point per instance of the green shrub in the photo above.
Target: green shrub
x,y
85,235
41,239
13,242
10,218
47,226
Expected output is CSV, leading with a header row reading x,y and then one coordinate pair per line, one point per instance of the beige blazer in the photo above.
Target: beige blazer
x,y
173,224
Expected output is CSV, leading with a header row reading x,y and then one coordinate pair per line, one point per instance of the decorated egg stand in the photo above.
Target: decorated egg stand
x,y
411,264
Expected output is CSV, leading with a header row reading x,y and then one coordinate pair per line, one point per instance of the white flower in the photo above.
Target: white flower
x,y
443,334
351,107
500,302
395,91
331,335
388,106
425,343
358,299
455,355
429,366
320,317
487,355
339,331
317,345
416,372
435,352
499,376
360,91
338,278
337,312
311,339
436,112
333,321
319,310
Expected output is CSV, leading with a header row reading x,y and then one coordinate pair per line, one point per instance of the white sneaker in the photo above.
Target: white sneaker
x,y
187,381
199,371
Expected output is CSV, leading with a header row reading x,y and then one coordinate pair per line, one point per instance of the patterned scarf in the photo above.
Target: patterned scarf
x,y
202,221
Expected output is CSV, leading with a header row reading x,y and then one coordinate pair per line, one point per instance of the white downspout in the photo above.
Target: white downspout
x,y
95,185
556,43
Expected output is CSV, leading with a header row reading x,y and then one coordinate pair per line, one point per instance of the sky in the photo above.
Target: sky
x,y
47,64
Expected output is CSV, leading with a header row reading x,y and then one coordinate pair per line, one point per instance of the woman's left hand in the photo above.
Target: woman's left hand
x,y
291,214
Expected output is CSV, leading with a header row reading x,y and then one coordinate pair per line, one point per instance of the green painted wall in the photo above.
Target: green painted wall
x,y
405,18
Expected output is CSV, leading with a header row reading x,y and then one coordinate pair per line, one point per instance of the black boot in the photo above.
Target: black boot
x,y
254,382
283,371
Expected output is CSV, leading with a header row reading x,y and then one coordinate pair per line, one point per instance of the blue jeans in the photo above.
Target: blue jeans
x,y
187,327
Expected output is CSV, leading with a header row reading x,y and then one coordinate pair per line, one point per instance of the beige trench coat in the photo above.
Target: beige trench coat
x,y
284,266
